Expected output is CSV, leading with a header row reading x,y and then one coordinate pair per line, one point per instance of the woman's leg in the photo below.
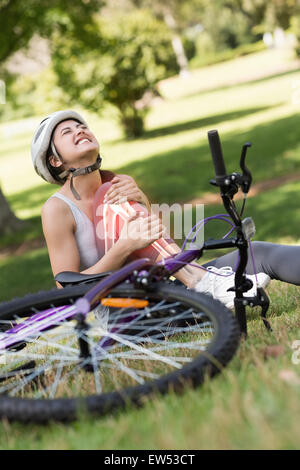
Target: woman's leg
x,y
281,262
108,222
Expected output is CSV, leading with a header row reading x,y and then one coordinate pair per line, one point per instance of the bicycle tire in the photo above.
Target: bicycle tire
x,y
219,352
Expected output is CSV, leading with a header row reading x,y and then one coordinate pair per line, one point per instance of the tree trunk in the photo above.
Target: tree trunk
x,y
176,43
9,223
132,121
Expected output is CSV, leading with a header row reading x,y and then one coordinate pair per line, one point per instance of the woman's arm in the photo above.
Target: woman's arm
x,y
124,188
59,227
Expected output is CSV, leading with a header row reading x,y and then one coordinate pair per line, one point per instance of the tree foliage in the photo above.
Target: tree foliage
x,y
295,27
19,20
127,60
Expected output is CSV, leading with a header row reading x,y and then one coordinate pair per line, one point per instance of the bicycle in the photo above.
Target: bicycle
x,y
110,339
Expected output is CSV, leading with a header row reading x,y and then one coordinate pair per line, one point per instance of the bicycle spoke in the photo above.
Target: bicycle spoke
x,y
123,347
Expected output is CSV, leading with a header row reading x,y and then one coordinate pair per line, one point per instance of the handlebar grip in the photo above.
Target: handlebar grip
x,y
217,155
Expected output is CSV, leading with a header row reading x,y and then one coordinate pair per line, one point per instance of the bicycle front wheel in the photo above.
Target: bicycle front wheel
x,y
133,345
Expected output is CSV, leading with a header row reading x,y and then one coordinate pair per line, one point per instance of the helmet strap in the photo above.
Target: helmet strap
x,y
79,172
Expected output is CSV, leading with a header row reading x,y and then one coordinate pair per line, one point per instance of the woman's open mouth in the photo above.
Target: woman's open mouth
x,y
82,141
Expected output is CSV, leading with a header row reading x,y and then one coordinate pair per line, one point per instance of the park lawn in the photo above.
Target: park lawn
x,y
255,402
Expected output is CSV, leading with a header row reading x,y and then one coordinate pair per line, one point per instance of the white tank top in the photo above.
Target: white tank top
x,y
84,234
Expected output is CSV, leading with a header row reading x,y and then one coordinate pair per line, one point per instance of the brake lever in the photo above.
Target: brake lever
x,y
247,177
233,181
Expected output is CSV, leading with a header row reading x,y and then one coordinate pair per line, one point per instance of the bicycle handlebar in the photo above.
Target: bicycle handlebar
x,y
217,155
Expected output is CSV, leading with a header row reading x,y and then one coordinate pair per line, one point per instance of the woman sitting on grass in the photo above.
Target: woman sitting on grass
x,y
80,220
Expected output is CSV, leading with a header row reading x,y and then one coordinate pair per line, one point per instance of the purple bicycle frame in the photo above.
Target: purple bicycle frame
x,y
46,319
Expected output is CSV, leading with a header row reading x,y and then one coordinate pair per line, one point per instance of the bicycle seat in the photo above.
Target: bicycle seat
x,y
72,277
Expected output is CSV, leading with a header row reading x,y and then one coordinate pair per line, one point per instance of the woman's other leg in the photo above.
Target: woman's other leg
x,y
281,262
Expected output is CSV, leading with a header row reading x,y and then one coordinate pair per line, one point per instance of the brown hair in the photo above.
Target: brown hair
x,y
53,170
106,175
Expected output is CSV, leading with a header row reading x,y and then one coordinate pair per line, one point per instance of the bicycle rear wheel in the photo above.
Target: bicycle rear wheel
x,y
153,341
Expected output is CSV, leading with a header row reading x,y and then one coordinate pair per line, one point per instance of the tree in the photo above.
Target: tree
x,y
295,26
19,21
226,25
176,14
131,55
265,13
9,223
265,16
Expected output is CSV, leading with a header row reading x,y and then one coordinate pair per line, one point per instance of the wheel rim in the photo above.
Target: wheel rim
x,y
163,337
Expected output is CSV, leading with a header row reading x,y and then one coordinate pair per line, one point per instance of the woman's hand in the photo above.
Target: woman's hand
x,y
123,189
139,232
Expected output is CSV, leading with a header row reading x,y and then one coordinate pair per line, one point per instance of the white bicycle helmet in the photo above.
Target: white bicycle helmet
x,y
42,140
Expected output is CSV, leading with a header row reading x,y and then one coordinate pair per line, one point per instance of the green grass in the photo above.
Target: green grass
x,y
25,273
202,60
249,406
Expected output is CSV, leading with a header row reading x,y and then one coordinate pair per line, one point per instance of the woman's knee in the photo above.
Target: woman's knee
x,y
261,248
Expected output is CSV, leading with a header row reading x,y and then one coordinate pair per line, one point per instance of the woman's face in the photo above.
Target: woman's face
x,y
74,140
